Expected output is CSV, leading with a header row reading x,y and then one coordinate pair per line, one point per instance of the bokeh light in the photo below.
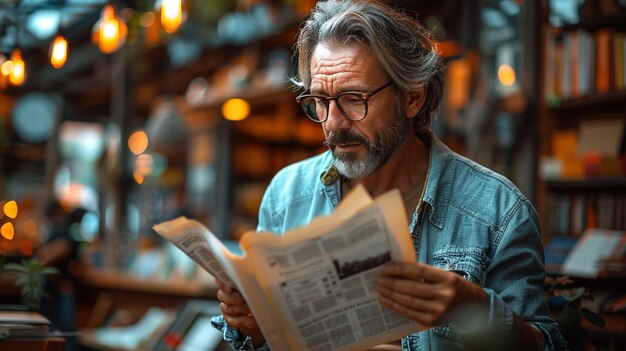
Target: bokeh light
x,y
138,142
7,231
10,209
236,109
506,75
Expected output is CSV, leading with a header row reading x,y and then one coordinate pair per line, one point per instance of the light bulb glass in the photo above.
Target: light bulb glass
x,y
17,76
58,53
171,15
6,68
109,33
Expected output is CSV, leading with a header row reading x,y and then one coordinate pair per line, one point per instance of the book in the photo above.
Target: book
x,y
20,324
313,287
556,252
595,246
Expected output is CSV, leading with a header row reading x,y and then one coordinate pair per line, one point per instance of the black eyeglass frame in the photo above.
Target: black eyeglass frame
x,y
327,99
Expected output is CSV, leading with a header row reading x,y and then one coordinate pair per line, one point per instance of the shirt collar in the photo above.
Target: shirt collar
x,y
438,182
330,176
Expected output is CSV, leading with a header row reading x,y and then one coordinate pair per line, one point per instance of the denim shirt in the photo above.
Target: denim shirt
x,y
472,221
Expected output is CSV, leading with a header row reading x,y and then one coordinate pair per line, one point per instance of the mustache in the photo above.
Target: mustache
x,y
344,137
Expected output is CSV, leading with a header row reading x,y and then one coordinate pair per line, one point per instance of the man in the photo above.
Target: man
x,y
373,79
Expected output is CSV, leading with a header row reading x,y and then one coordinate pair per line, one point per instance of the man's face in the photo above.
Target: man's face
x,y
359,147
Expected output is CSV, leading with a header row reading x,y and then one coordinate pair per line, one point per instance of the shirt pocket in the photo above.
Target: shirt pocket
x,y
470,263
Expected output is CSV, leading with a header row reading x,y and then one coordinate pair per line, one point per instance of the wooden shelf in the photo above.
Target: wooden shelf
x,y
613,20
608,98
111,280
615,324
599,184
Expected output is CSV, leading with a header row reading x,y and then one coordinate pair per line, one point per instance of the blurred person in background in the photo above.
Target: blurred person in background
x,y
60,250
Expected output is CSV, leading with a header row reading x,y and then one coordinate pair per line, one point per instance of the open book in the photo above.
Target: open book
x,y
314,287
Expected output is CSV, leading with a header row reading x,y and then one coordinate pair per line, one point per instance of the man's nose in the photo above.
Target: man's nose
x,y
336,120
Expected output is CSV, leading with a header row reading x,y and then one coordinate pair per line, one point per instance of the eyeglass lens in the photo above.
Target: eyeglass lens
x,y
351,105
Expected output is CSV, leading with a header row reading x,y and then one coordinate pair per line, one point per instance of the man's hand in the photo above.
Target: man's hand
x,y
237,313
424,293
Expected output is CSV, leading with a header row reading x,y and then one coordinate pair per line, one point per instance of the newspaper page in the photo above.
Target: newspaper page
x,y
202,246
320,280
314,287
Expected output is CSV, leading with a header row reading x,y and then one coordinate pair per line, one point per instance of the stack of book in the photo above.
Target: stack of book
x,y
23,324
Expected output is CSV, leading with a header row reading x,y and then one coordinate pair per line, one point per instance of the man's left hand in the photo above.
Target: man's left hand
x,y
424,293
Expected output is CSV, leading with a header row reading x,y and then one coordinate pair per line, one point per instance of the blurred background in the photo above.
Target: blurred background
x,y
137,112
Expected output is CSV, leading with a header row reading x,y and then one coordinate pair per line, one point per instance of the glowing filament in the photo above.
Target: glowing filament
x,y
18,73
58,54
171,15
109,33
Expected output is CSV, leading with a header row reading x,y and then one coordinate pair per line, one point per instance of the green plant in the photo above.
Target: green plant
x,y
30,276
573,310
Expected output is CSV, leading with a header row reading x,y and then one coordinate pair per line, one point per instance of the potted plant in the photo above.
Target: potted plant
x,y
562,294
30,275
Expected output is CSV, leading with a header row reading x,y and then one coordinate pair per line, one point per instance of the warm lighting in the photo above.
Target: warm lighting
x,y
171,15
138,142
236,109
109,33
143,164
10,209
448,48
7,231
58,52
139,178
147,19
506,75
18,73
6,68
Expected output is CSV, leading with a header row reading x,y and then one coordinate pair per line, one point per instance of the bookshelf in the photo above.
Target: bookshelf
x,y
583,73
584,70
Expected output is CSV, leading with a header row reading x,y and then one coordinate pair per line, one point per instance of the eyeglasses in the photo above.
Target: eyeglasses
x,y
352,104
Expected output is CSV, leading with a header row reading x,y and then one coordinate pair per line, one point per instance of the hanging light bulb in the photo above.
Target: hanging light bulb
x,y
58,52
109,33
171,15
17,76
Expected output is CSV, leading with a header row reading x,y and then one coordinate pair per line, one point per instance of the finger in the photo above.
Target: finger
x,y
235,310
407,301
420,317
420,289
233,298
222,286
241,322
415,271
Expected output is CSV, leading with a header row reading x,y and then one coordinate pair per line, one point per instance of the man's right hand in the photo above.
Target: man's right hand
x,y
237,313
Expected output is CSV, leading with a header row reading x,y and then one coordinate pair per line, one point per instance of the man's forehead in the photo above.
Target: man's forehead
x,y
340,60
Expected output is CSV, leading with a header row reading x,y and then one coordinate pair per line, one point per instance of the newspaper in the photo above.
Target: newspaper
x,y
314,287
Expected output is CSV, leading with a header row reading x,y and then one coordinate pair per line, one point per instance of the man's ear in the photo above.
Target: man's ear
x,y
413,102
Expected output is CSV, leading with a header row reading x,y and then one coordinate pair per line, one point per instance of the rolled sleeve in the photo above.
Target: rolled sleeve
x,y
234,338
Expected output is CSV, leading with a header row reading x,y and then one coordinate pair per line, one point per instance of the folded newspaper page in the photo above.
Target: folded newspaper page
x,y
314,287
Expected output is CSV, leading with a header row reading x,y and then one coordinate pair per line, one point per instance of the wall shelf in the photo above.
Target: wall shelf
x,y
610,184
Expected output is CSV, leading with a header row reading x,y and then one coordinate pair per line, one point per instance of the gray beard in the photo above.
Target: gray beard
x,y
377,153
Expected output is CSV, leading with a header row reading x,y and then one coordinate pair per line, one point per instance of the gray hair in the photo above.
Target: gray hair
x,y
405,49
